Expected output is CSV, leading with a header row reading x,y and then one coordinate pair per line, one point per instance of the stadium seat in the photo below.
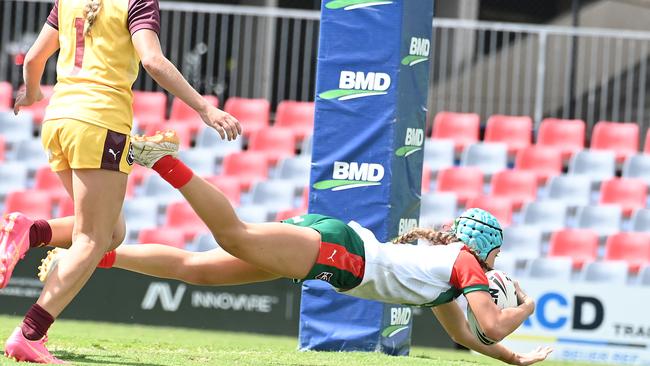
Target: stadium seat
x,y
140,213
248,167
296,169
605,220
514,131
253,114
16,128
545,162
489,157
203,161
506,263
292,212
462,128
641,220
632,247
500,207
519,186
644,275
32,203
3,148
572,189
180,215
438,154
567,135
209,138
149,108
637,166
605,272
252,214
182,112
30,153
47,181
156,188
629,193
37,110
581,245
465,182
548,215
621,138
275,143
66,208
437,209
297,116
163,235
183,130
139,173
646,143
555,269
203,243
6,95
229,186
306,145
426,179
273,194
13,177
597,165
522,242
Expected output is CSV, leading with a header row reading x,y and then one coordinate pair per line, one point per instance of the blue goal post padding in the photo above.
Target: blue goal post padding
x,y
371,94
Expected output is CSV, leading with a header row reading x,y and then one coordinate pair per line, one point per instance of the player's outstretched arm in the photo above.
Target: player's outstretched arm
x,y
453,320
147,45
46,44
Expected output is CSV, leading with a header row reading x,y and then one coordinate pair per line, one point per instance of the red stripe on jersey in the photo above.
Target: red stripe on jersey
x,y
79,24
336,255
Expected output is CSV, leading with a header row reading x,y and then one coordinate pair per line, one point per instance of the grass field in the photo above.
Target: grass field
x,y
90,343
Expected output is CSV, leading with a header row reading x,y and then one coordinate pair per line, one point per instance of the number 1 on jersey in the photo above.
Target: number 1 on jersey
x,y
79,24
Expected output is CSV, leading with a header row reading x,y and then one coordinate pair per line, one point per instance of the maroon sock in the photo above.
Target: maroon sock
x,y
173,171
40,234
36,323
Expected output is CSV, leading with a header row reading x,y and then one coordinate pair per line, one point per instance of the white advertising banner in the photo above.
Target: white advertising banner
x,y
587,322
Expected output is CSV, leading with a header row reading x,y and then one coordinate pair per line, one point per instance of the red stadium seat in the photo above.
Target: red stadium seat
x,y
163,235
3,148
305,197
228,186
463,128
622,138
299,116
632,247
275,142
500,207
581,245
287,214
247,167
183,130
253,114
544,161
629,193
568,135
6,95
38,109
514,131
139,173
426,179
148,108
183,113
519,186
35,204
180,215
66,207
465,182
47,181
646,144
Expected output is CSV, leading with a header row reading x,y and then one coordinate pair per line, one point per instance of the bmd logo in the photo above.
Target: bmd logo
x,y
348,175
405,225
163,292
418,51
554,312
412,142
358,85
399,321
355,4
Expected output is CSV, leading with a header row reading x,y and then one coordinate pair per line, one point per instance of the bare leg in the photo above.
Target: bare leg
x,y
211,268
98,196
287,250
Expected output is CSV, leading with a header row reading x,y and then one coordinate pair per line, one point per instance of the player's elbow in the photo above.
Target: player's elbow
x,y
153,64
494,333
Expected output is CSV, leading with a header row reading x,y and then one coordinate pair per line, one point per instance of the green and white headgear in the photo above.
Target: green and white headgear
x,y
479,230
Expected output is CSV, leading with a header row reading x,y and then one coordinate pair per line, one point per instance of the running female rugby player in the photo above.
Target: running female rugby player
x,y
348,256
86,135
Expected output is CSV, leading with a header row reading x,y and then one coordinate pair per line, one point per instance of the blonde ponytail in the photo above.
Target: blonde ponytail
x,y
91,10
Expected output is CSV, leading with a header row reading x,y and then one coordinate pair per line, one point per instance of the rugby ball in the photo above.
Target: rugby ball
x,y
502,290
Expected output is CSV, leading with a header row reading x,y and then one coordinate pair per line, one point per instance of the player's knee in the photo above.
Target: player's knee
x,y
119,234
231,239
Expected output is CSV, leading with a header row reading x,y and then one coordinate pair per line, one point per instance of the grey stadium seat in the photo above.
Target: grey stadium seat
x,y
489,157
637,166
644,276
203,161
306,145
506,263
597,165
438,154
548,215
203,243
13,177
610,272
30,153
140,213
522,242
549,269
604,219
273,194
252,213
641,220
209,138
295,169
16,128
572,189
437,208
156,188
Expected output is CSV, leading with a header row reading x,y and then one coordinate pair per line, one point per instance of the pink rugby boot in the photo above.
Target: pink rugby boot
x,y
14,243
20,348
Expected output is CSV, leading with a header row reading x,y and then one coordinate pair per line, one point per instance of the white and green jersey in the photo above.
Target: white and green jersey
x,y
421,275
